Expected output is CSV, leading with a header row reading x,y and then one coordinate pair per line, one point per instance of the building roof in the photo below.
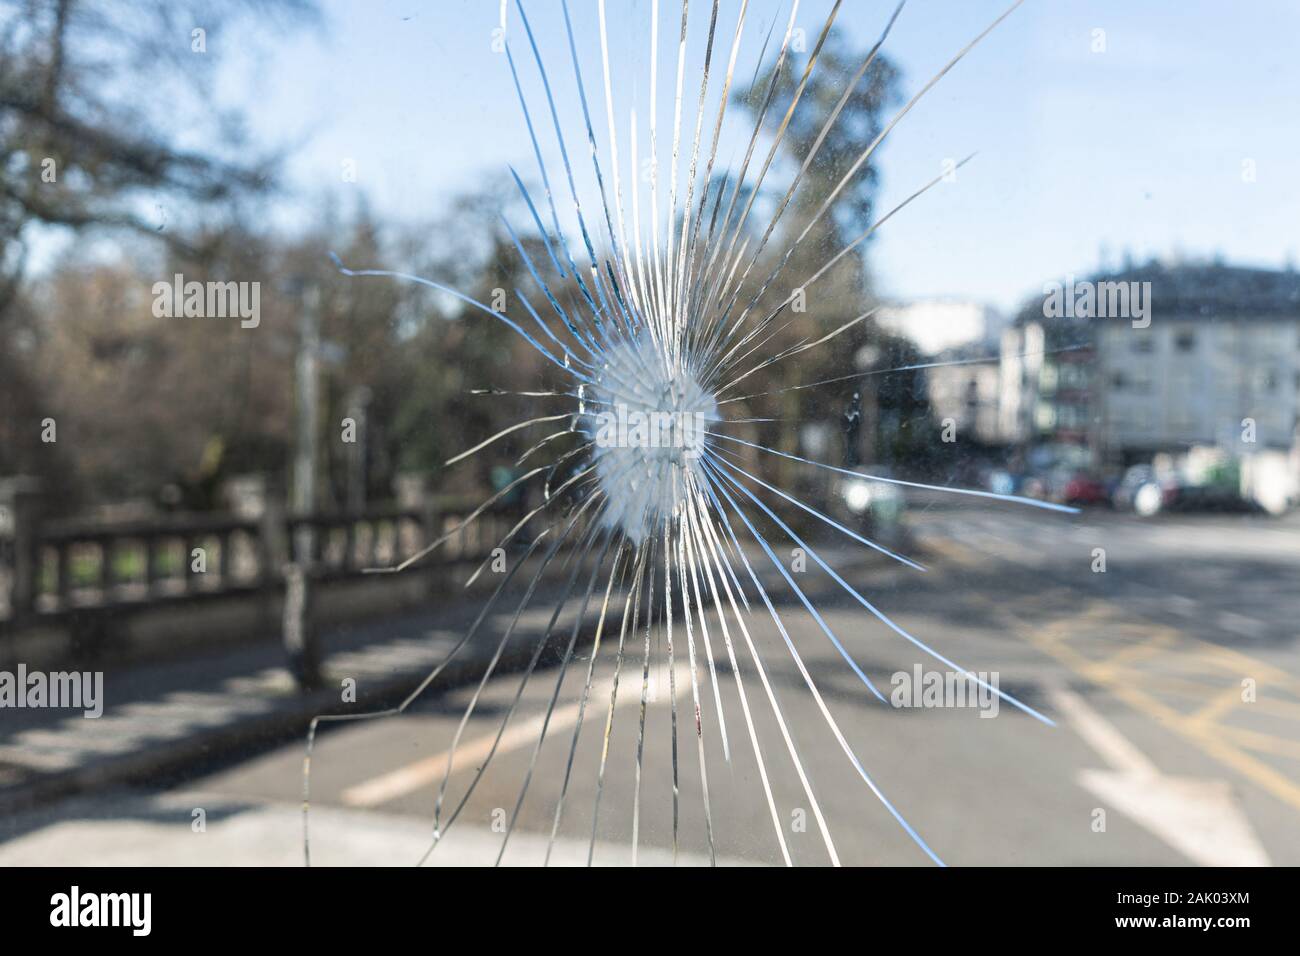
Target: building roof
x,y
1213,290
1207,291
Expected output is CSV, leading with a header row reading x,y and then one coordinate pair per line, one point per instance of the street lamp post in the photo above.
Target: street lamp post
x,y
300,641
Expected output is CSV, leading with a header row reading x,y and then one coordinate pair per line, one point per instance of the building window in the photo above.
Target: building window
x,y
1143,343
1185,341
1072,416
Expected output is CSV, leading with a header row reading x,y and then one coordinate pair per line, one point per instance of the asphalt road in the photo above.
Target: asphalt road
x,y
1173,678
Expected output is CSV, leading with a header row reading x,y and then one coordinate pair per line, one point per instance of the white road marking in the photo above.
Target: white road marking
x,y
1102,735
1199,818
471,753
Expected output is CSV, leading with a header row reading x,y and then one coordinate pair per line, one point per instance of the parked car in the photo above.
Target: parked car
x,y
1125,494
1179,496
1144,491
1003,482
1082,488
1150,497
1147,493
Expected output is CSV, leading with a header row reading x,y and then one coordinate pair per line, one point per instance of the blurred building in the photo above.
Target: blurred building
x,y
940,325
1214,361
1219,364
968,391
964,335
1047,382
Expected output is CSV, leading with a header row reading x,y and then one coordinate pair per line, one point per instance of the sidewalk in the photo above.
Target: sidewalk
x,y
162,718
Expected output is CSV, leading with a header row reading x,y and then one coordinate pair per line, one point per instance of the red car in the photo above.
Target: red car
x,y
1083,489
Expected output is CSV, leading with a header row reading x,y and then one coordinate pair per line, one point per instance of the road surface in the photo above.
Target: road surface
x,y
1172,676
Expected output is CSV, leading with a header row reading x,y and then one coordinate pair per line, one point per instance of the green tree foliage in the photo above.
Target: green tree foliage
x,y
845,291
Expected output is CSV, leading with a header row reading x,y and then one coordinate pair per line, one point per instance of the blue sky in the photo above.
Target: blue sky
x,y
1138,148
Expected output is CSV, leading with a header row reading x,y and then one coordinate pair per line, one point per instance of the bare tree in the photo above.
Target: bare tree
x,y
96,98
92,96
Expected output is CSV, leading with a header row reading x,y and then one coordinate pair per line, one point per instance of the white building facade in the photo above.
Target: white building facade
x,y
1218,365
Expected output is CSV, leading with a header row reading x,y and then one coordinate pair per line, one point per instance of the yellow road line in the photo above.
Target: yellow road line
x,y
1220,705
1133,654
1207,736
471,753
1264,743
